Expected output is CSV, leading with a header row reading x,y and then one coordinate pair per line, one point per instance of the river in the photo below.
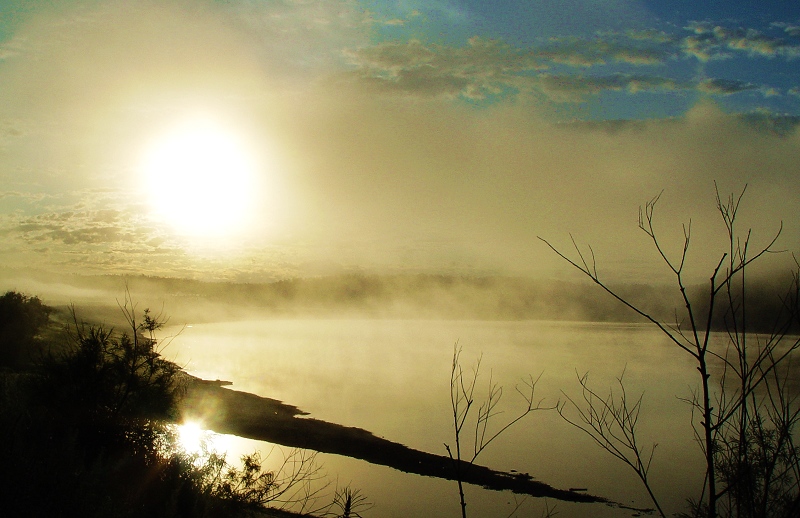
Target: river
x,y
391,377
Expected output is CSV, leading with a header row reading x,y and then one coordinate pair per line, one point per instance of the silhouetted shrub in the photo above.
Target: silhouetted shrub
x,y
21,319
89,432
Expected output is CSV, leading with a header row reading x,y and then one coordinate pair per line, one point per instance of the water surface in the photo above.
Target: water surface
x,y
391,377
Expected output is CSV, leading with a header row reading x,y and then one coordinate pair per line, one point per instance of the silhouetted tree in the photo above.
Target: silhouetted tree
x,y
21,319
115,387
90,433
745,411
462,402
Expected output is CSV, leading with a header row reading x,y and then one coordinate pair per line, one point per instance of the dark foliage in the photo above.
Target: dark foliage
x,y
116,388
21,320
87,433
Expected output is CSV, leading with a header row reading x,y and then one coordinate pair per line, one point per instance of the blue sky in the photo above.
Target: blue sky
x,y
399,136
589,59
595,58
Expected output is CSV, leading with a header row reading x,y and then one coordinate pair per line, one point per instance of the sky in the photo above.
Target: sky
x,y
259,140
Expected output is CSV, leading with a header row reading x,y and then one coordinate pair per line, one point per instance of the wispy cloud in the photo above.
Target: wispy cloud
x,y
710,42
488,67
75,227
575,88
35,197
413,15
478,69
78,237
724,86
789,28
632,47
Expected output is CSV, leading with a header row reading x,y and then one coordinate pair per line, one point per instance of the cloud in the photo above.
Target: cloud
x,y
714,42
632,47
789,28
481,68
410,16
573,88
724,86
183,56
75,227
22,195
78,238
485,68
766,122
142,52
306,36
489,67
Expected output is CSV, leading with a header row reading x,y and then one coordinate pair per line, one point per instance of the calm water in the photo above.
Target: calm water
x,y
392,378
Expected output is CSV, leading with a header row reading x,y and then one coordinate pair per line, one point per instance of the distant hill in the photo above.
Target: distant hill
x,y
425,296
417,296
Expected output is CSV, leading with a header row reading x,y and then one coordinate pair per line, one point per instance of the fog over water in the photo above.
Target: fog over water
x,y
391,377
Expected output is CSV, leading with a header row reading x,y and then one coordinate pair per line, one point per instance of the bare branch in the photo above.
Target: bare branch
x,y
611,422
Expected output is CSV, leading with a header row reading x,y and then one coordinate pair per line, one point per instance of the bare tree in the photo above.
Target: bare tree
x,y
611,422
462,402
743,422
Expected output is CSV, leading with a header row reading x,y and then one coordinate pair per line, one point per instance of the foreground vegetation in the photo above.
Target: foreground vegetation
x,y
86,430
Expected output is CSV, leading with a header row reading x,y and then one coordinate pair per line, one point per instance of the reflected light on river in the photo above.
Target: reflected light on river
x,y
193,439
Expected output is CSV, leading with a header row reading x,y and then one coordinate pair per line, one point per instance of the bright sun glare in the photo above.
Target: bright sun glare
x,y
200,180
192,439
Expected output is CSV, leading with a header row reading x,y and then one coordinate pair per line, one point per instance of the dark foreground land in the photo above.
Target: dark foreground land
x,y
248,415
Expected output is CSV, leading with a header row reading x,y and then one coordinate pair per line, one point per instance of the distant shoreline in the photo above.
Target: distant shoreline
x,y
392,296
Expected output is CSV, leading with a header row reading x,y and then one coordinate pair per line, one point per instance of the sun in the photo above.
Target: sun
x,y
200,180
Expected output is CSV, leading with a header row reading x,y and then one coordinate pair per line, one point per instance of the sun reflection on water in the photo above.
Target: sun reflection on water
x,y
193,439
